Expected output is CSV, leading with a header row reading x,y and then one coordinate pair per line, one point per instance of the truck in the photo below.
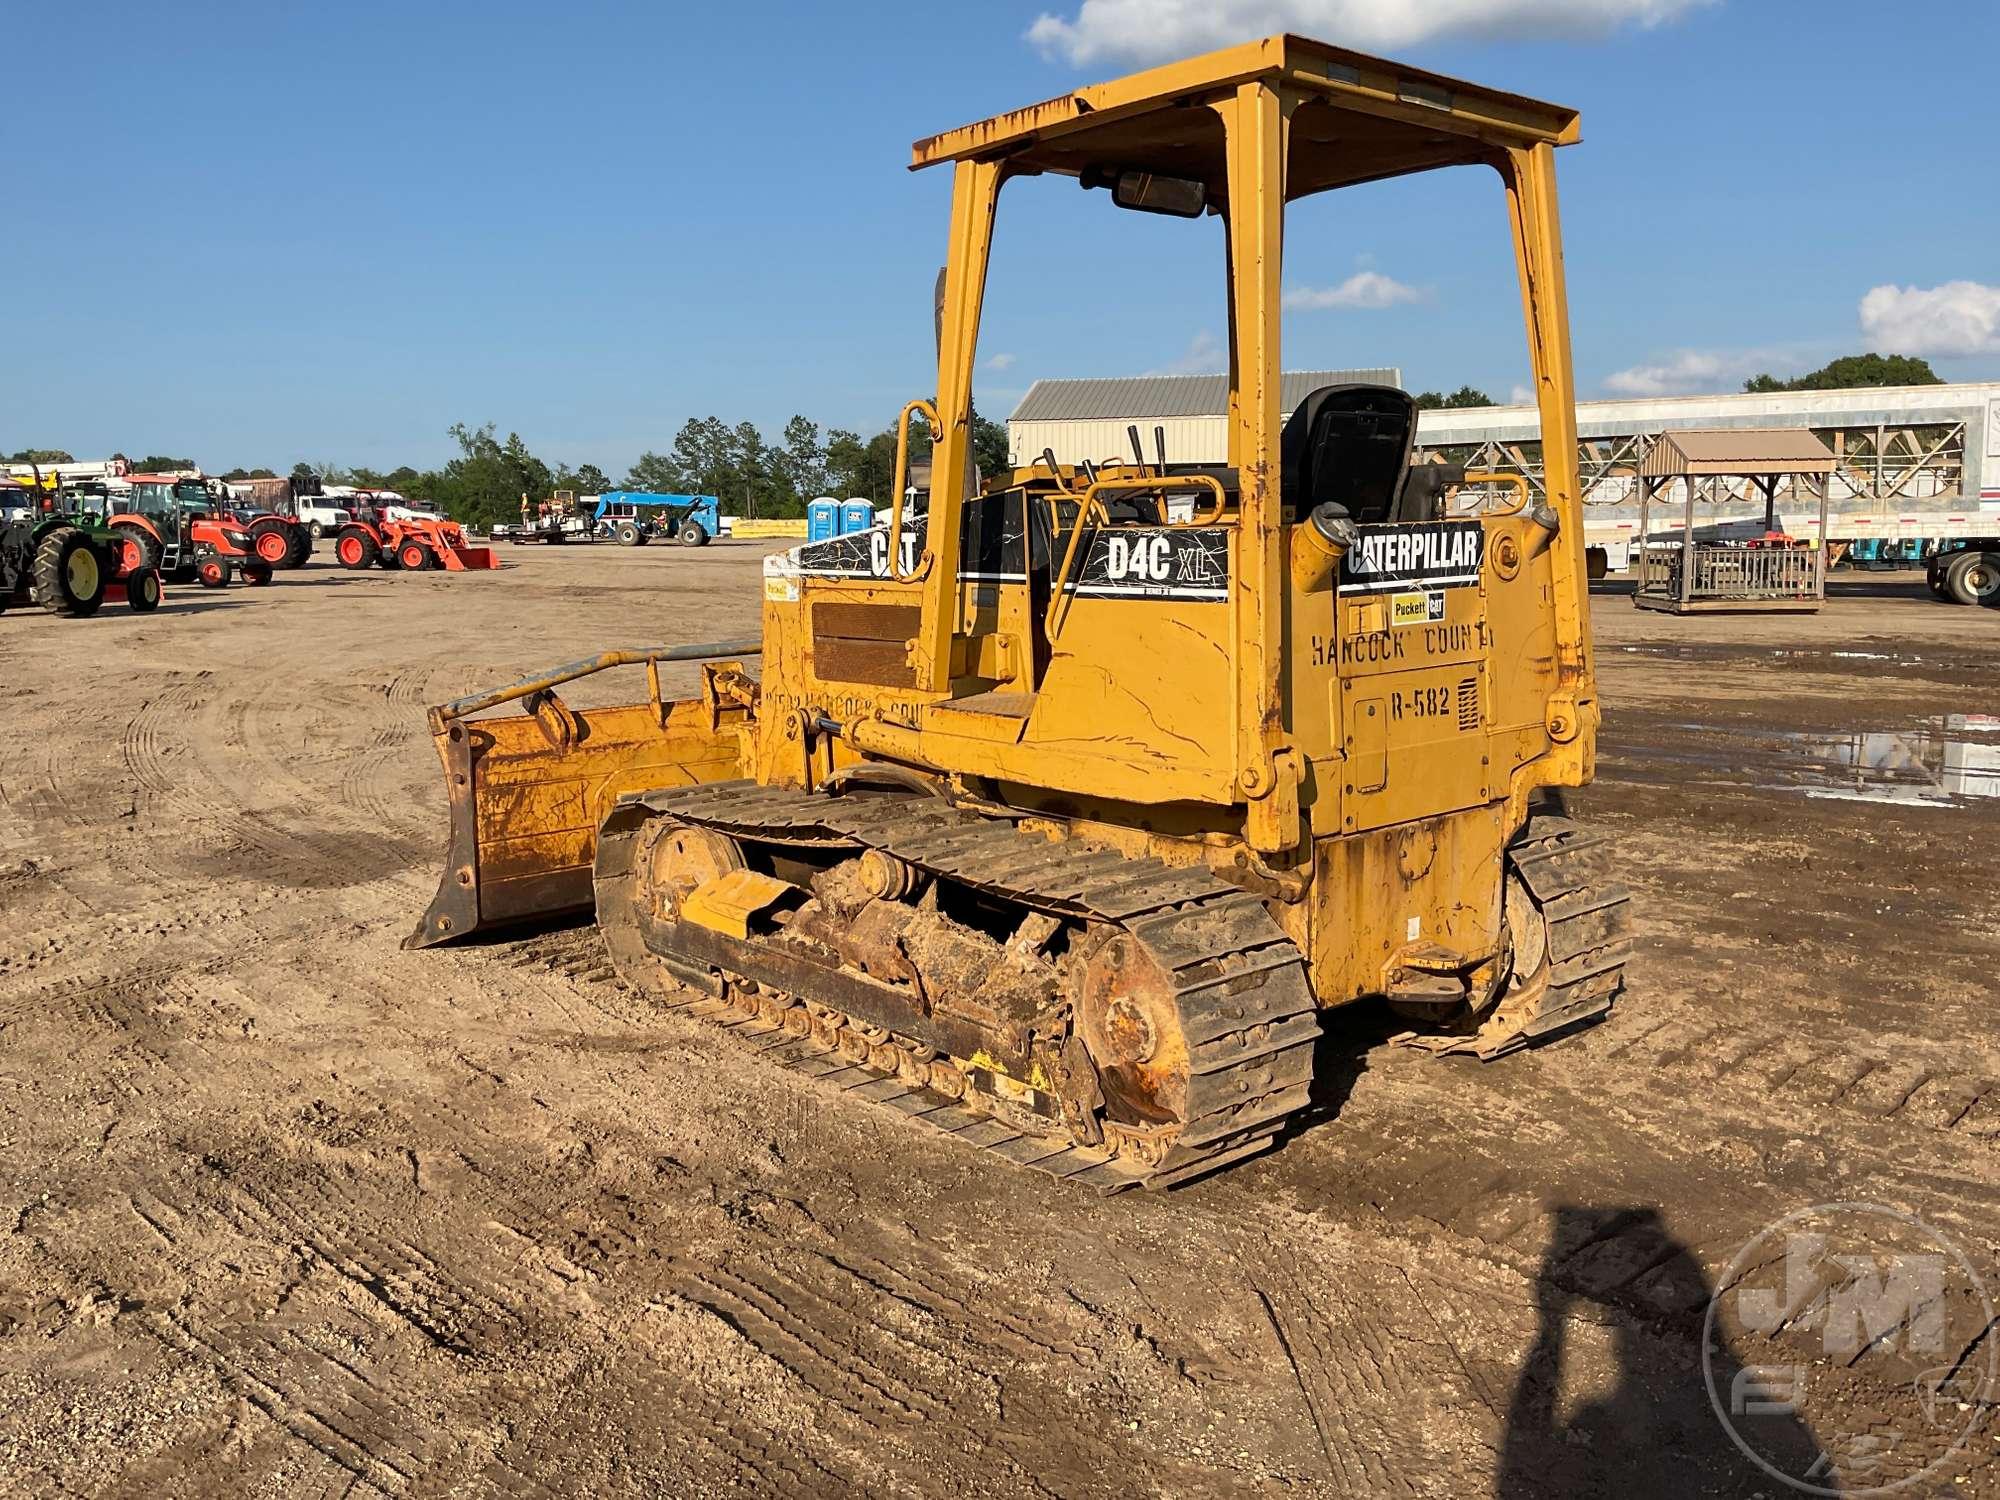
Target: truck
x,y
1966,570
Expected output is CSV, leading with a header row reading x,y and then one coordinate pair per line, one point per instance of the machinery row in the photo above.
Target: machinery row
x,y
74,537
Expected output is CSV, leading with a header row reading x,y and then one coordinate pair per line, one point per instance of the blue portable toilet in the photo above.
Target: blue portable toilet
x,y
822,519
856,515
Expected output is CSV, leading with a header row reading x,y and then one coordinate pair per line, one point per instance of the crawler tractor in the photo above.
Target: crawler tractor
x,y
1059,812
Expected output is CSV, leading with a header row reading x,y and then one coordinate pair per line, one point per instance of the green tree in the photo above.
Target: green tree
x,y
757,477
704,455
989,446
41,456
800,460
1852,372
1464,396
655,474
845,454
867,469
155,463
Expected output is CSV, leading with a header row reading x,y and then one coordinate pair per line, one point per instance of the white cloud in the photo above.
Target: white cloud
x,y
1370,289
1204,356
1521,395
1001,362
1687,372
1156,30
1958,318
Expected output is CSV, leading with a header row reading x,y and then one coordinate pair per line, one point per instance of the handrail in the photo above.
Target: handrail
x,y
624,656
1165,482
1069,556
1517,482
902,478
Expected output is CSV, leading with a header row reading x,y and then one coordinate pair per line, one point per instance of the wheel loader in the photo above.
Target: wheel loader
x,y
1058,813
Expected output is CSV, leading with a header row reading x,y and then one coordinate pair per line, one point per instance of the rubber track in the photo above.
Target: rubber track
x,y
1241,987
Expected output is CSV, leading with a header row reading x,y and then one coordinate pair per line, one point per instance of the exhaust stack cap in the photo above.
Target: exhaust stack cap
x,y
1334,522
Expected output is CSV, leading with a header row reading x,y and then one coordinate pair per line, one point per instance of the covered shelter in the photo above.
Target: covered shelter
x,y
1771,572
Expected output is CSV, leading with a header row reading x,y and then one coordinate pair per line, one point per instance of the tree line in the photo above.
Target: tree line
x,y
753,476
747,473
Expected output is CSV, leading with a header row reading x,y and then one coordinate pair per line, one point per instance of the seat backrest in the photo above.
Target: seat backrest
x,y
1349,444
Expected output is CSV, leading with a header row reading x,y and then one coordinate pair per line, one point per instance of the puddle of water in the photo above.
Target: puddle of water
x,y
1928,767
1946,762
1711,652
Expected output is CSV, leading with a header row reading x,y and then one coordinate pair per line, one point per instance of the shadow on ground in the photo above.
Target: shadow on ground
x,y
1644,1429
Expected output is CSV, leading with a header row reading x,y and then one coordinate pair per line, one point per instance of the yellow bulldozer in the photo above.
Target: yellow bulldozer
x,y
1061,807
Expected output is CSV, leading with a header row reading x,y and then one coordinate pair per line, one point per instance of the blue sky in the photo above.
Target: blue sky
x,y
258,233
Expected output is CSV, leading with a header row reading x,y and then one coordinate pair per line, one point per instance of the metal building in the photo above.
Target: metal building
x,y
1911,462
1082,419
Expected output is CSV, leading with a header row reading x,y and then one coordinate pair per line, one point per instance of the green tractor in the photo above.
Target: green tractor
x,y
68,564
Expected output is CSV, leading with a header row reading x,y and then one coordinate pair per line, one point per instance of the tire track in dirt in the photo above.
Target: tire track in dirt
x,y
367,1452
352,789
194,795
364,789
1910,1086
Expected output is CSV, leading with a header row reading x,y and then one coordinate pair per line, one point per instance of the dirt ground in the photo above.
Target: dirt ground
x,y
285,1210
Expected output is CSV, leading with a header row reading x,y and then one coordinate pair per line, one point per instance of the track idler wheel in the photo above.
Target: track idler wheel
x,y
679,859
645,867
1130,1022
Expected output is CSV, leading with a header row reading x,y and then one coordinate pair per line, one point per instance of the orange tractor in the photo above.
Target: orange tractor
x,y
413,542
281,541
175,526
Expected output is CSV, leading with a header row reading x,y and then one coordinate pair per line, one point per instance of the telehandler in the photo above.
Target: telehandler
x,y
1058,812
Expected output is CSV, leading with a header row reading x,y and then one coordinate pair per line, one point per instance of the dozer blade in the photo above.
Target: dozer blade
x,y
528,791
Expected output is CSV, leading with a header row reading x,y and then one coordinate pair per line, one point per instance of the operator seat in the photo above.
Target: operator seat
x,y
1349,444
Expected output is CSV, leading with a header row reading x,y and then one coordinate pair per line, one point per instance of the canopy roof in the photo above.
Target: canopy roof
x,y
1363,119
1737,451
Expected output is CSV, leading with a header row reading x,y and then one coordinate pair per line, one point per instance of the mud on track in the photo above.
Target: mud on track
x,y
287,1211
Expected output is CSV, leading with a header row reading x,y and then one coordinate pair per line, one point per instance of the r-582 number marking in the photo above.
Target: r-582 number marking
x,y
1422,703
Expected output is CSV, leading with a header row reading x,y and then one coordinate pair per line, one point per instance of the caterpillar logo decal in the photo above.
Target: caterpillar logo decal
x,y
1425,554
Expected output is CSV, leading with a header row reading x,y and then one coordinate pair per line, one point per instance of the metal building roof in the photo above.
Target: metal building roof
x,y
1133,398
1737,450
